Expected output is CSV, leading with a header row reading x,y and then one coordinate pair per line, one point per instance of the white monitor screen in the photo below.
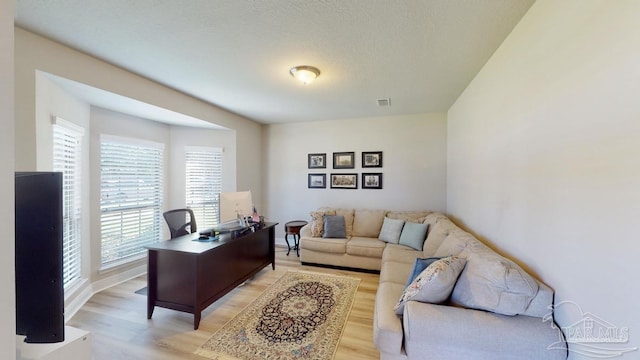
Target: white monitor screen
x,y
233,204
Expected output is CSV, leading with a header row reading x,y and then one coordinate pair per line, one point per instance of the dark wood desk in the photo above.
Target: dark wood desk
x,y
188,275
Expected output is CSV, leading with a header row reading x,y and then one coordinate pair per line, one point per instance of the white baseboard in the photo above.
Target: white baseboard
x,y
118,278
83,295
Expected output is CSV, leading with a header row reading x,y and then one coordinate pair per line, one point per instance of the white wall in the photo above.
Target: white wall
x,y
543,155
7,264
414,164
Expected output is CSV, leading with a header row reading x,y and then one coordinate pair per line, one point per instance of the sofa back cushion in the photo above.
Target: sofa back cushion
x,y
493,283
457,241
367,223
409,216
439,229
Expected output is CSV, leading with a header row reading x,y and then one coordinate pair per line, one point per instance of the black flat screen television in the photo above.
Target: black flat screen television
x,y
38,259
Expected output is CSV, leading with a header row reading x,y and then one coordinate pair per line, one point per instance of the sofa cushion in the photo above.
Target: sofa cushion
x,y
456,242
387,329
369,247
493,283
317,222
413,235
432,219
400,253
409,216
348,219
391,229
434,284
367,223
334,227
437,234
331,245
394,272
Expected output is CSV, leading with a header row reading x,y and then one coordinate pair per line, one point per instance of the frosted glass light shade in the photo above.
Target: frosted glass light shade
x,y
305,74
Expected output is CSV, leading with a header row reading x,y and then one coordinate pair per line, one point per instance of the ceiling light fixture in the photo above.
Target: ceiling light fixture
x,y
305,73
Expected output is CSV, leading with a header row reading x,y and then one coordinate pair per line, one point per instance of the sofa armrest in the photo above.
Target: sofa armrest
x,y
447,332
305,231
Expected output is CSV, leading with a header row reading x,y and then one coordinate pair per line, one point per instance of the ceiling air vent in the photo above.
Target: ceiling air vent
x,y
384,102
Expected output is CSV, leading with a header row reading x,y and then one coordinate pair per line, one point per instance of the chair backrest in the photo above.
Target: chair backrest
x,y
178,223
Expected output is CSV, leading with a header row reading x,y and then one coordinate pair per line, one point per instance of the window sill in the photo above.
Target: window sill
x,y
117,265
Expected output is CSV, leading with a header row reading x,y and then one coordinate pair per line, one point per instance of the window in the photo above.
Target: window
x,y
67,158
131,173
204,184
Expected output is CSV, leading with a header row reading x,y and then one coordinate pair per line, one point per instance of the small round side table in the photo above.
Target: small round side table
x,y
293,228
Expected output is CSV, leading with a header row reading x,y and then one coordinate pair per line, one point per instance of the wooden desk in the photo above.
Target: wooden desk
x,y
188,275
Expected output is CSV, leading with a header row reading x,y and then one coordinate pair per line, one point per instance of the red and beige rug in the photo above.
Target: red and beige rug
x,y
301,316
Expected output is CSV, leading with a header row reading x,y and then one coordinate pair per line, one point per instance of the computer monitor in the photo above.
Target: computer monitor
x,y
233,204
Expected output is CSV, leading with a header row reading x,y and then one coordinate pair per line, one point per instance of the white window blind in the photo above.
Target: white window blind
x,y
67,158
131,175
204,184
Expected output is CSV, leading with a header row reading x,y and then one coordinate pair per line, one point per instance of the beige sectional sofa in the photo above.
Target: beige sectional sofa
x,y
495,310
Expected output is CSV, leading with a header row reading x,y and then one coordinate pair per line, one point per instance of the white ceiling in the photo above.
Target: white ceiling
x,y
236,54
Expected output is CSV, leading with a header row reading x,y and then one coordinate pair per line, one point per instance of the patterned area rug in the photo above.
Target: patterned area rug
x,y
301,316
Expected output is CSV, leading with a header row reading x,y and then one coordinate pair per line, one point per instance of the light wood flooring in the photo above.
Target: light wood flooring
x,y
117,319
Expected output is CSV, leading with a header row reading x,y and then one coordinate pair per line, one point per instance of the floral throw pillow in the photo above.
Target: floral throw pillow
x,y
317,222
434,284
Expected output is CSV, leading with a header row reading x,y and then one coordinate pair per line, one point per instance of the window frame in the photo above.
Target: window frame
x,y
131,198
203,183
67,158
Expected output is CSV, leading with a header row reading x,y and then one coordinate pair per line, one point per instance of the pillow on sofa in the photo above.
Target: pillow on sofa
x,y
413,235
434,284
317,222
334,227
391,229
418,266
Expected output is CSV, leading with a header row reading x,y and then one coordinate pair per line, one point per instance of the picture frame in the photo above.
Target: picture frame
x,y
317,161
317,181
344,160
344,181
372,180
371,159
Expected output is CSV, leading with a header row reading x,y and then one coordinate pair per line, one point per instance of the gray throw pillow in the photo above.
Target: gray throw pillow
x,y
391,229
334,226
413,235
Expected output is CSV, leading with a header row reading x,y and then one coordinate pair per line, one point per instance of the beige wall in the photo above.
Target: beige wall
x,y
7,272
33,53
414,164
543,154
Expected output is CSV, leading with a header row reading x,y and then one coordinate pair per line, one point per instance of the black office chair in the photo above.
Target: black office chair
x,y
178,223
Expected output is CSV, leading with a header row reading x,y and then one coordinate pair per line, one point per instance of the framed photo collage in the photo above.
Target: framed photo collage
x,y
342,161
